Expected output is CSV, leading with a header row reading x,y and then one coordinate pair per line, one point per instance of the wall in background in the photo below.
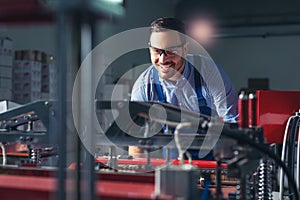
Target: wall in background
x,y
35,37
138,14
276,58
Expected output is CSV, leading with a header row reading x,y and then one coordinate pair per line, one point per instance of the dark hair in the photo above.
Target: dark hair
x,y
168,23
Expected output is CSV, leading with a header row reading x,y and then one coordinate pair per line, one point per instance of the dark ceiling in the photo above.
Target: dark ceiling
x,y
239,13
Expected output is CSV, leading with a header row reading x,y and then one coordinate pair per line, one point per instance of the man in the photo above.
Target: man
x,y
190,82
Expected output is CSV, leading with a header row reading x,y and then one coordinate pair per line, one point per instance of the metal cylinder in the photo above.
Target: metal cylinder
x,y
243,110
251,110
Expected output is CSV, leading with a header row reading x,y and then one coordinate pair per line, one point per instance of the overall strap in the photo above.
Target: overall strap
x,y
198,89
160,94
203,108
158,87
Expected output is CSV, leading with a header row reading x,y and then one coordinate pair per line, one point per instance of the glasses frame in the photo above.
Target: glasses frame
x,y
168,52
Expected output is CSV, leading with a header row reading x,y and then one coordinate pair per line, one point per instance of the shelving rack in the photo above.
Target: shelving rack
x,y
75,22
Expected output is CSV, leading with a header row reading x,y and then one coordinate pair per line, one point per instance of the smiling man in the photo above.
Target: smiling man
x,y
173,77
166,49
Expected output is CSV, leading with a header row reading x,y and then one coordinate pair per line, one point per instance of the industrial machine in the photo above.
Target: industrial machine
x,y
246,164
24,135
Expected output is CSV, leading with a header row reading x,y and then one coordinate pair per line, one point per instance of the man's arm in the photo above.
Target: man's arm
x,y
224,96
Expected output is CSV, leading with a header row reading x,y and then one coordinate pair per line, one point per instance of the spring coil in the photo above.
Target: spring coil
x,y
265,180
35,155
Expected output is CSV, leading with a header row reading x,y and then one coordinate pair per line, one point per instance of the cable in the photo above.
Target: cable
x,y
292,162
283,153
291,159
291,150
3,154
298,160
289,137
241,138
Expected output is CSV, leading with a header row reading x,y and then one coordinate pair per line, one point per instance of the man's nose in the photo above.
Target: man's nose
x,y
163,57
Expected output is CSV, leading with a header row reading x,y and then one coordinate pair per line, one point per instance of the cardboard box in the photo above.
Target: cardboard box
x,y
5,83
24,97
6,51
27,76
6,71
49,74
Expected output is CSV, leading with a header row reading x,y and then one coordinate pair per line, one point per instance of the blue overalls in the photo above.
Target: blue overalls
x,y
203,108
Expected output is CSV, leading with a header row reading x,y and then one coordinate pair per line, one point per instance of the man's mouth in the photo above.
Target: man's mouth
x,y
166,68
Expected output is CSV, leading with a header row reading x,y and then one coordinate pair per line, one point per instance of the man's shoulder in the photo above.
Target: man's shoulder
x,y
145,78
147,73
141,85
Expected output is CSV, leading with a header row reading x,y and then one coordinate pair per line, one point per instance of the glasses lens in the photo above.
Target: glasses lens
x,y
155,51
158,52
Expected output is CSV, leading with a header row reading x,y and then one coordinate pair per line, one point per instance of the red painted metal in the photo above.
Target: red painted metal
x,y
207,164
273,110
14,187
39,183
23,12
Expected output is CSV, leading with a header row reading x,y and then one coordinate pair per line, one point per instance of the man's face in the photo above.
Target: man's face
x,y
167,54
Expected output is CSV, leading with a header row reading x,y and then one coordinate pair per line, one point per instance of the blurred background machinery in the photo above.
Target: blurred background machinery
x,y
45,157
